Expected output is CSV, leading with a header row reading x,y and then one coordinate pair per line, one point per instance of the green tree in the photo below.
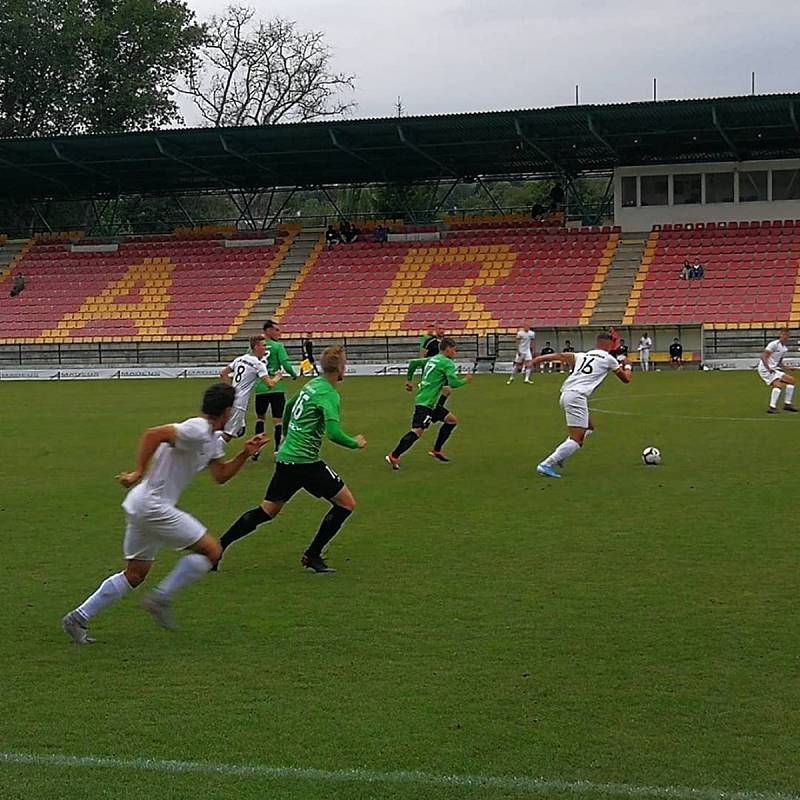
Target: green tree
x,y
72,66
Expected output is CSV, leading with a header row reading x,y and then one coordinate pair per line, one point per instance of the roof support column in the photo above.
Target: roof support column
x,y
724,134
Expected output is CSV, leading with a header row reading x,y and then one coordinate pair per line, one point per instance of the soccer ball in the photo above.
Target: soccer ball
x,y
651,456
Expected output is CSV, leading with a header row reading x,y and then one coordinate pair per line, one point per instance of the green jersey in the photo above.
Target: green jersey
x,y
437,372
275,359
311,416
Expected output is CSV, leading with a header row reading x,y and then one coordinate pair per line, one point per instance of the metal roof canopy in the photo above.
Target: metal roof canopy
x,y
572,140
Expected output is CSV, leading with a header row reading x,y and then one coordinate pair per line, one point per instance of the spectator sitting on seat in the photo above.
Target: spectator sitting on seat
x,y
354,233
676,353
19,285
345,231
686,272
537,211
381,235
332,237
697,271
546,351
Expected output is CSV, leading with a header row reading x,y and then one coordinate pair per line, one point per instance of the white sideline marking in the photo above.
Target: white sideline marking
x,y
594,408
519,785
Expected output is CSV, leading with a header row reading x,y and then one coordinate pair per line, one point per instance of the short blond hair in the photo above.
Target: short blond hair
x,y
333,359
254,340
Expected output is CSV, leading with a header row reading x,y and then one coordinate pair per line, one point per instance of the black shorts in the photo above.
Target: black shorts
x,y
317,479
424,417
276,400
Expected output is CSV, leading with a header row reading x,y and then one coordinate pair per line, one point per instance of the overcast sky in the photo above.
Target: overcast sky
x,y
476,55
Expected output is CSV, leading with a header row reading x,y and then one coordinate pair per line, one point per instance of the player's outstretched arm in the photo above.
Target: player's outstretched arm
x,y
274,380
151,440
225,374
223,471
564,358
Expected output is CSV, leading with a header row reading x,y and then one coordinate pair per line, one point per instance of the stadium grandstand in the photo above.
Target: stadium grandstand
x,y
715,181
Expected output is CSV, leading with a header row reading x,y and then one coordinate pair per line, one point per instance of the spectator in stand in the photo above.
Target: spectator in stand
x,y
538,211
381,235
354,233
697,270
19,285
676,354
332,237
345,231
546,351
557,198
686,272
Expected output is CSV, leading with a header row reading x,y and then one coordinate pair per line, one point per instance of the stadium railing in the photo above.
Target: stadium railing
x,y
378,349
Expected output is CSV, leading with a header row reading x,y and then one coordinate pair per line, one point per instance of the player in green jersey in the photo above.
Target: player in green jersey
x,y
311,416
274,397
438,373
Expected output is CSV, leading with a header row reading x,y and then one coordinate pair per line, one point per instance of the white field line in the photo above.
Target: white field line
x,y
510,784
598,409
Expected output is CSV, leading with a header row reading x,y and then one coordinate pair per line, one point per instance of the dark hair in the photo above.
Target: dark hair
x,y
269,324
217,399
604,337
254,340
445,343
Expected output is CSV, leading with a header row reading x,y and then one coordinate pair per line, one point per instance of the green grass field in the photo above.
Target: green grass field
x,y
632,628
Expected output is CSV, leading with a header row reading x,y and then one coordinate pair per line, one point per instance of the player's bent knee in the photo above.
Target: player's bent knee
x,y
451,419
136,572
344,499
271,508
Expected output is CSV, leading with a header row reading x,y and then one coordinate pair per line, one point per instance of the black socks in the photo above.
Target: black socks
x,y
444,435
259,427
277,431
403,445
246,524
330,526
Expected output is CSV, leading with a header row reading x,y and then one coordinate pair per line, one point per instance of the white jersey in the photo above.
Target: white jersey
x,y
590,371
645,343
172,468
246,371
777,350
525,341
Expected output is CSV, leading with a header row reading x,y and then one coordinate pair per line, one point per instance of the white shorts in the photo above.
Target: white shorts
x,y
160,526
523,358
235,426
576,409
769,377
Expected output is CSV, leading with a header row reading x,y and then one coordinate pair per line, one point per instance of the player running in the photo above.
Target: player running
x,y
772,371
438,372
311,416
174,454
526,350
272,396
243,373
588,372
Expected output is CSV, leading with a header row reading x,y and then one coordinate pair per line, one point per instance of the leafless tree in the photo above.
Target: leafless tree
x,y
254,72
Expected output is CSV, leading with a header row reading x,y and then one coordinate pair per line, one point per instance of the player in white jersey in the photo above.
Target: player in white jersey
x,y
174,454
526,350
772,371
589,370
243,373
645,345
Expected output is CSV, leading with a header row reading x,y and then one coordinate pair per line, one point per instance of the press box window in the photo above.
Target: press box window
x,y
786,184
629,192
719,187
687,189
753,187
655,190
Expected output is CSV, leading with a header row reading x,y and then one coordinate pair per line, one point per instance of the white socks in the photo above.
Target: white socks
x,y
567,448
188,570
527,375
111,590
789,395
775,396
